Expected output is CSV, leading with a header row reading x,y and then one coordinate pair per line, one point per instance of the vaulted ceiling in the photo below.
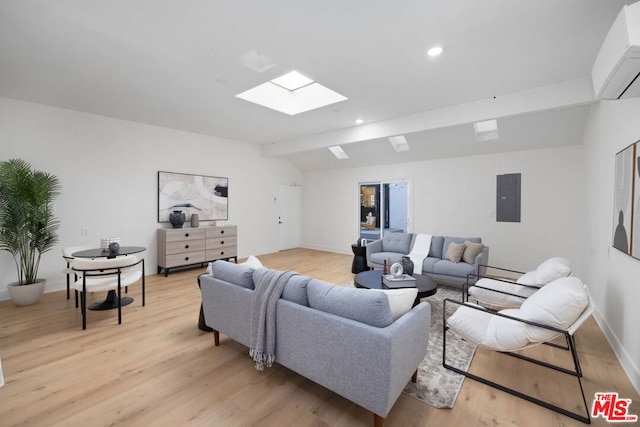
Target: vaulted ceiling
x,y
178,64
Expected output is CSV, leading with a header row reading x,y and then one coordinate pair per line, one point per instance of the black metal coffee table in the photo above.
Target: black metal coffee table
x,y
372,279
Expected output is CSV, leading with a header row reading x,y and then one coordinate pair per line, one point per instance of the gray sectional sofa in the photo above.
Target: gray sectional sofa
x,y
344,339
393,246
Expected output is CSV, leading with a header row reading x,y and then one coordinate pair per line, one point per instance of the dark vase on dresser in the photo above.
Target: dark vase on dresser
x,y
177,219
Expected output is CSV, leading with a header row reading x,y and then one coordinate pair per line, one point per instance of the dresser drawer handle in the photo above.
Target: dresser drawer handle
x,y
186,235
222,253
222,242
221,231
186,246
186,258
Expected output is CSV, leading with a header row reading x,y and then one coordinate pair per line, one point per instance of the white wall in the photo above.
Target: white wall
x,y
458,197
108,170
614,278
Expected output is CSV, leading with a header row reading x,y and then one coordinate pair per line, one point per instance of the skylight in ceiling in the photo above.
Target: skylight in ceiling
x,y
338,152
399,143
292,94
487,130
292,81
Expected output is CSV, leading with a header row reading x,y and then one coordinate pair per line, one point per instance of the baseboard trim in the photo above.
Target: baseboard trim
x,y
337,250
629,367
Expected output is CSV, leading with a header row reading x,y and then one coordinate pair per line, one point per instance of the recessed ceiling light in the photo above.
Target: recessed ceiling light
x,y
486,130
338,152
292,93
434,51
399,143
359,121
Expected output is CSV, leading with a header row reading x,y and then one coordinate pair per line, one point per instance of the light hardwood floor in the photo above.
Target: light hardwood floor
x,y
159,369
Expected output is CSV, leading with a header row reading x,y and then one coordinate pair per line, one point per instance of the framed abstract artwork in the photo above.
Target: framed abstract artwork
x,y
625,197
635,226
208,196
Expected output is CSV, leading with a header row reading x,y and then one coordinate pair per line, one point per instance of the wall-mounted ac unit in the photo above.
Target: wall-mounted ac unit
x,y
616,72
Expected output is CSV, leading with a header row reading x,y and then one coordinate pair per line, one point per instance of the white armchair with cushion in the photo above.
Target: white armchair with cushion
x,y
557,309
107,274
67,256
510,293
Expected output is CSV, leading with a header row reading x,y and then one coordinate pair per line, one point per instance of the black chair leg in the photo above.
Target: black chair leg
x,y
75,279
83,299
68,285
119,301
143,284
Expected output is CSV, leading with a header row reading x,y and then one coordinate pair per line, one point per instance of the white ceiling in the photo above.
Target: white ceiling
x,y
177,64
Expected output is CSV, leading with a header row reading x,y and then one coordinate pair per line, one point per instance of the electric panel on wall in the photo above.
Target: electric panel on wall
x,y
508,197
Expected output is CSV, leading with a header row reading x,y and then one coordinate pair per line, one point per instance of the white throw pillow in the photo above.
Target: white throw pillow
x,y
552,269
400,300
253,262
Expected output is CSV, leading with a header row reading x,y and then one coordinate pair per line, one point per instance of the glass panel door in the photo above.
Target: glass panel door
x,y
383,209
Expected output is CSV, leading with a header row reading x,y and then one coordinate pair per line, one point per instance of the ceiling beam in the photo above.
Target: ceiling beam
x,y
556,96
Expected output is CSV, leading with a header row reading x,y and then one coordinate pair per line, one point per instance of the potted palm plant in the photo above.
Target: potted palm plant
x,y
28,227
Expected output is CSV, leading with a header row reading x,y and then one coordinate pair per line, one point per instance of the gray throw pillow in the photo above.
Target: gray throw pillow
x,y
361,305
296,290
238,274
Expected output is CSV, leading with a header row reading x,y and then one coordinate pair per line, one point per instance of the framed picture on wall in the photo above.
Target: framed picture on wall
x,y
635,226
623,199
208,196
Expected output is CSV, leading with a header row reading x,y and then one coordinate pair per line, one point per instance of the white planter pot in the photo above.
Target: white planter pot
x,y
26,294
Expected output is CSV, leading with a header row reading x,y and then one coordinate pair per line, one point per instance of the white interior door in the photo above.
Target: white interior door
x,y
289,207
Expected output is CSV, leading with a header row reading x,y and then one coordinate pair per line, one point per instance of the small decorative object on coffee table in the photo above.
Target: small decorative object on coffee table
x,y
402,281
407,265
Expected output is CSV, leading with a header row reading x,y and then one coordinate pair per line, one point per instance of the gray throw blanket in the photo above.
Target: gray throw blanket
x,y
262,328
